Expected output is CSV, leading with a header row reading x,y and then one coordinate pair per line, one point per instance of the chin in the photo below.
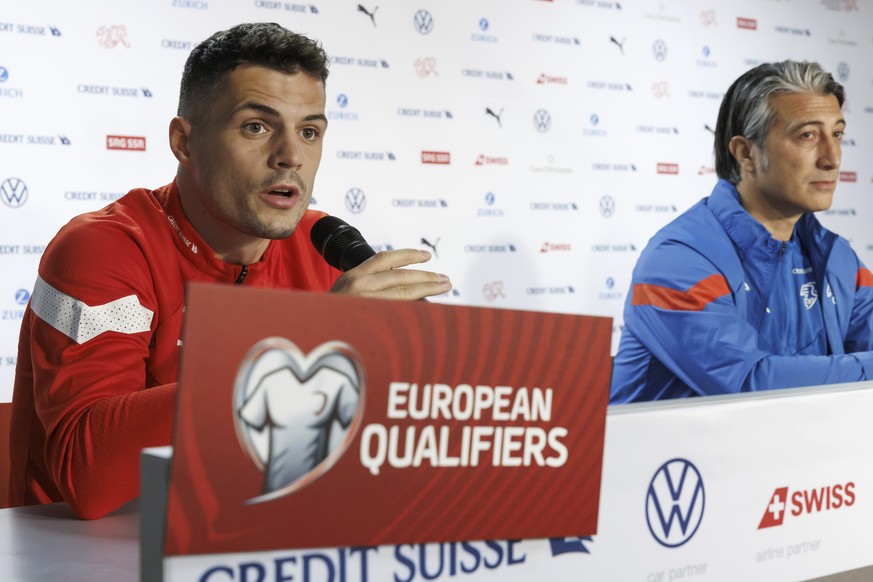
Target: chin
x,y
823,205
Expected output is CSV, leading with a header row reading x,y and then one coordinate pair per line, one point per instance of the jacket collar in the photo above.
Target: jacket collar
x,y
745,232
189,243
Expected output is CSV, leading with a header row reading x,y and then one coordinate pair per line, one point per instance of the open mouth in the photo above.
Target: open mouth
x,y
283,193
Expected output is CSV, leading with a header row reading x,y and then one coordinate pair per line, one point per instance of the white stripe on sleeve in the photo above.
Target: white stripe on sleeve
x,y
81,322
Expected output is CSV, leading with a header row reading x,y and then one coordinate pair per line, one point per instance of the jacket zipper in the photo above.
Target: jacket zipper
x,y
242,275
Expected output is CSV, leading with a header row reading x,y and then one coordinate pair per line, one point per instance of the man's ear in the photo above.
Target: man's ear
x,y
180,134
741,149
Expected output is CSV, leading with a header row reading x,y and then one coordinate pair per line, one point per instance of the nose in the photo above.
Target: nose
x,y
830,153
285,152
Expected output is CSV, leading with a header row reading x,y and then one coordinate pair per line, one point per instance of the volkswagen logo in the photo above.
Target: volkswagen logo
x,y
674,503
542,120
607,206
659,49
423,22
13,192
356,200
843,72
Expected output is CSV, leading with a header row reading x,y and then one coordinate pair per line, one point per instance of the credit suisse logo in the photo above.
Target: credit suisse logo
x,y
805,501
675,502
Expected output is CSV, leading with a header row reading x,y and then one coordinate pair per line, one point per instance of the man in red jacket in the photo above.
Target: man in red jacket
x,y
99,348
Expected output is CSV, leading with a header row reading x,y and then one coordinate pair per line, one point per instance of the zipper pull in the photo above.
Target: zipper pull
x,y
242,275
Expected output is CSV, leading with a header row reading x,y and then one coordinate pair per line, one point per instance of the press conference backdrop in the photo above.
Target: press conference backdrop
x,y
533,145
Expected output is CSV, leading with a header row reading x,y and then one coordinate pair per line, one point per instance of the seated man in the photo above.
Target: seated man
x,y
746,290
99,348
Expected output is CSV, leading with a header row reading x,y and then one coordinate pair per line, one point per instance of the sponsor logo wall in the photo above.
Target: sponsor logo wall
x,y
534,146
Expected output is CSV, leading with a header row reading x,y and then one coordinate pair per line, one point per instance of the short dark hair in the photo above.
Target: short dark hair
x,y
745,109
264,43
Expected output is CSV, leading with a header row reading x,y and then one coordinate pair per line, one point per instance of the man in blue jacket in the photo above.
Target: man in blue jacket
x,y
746,290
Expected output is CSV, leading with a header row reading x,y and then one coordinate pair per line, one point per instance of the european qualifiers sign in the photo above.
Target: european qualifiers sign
x,y
312,421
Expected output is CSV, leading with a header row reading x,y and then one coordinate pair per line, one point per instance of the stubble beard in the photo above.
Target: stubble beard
x,y
253,225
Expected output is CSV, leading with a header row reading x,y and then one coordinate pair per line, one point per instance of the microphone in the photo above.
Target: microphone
x,y
341,244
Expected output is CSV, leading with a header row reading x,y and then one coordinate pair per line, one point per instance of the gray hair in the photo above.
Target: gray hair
x,y
746,111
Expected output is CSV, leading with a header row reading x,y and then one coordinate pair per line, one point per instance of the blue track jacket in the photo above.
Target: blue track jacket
x,y
699,291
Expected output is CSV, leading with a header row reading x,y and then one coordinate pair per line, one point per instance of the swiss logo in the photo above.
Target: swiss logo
x,y
775,512
804,501
295,414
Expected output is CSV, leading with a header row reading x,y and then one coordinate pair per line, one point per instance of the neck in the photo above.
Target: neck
x,y
779,224
228,244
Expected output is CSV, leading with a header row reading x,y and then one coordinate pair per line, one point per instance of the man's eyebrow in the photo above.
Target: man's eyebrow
x,y
316,117
817,122
271,112
266,109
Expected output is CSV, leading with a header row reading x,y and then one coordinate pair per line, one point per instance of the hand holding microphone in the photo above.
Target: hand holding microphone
x,y
371,274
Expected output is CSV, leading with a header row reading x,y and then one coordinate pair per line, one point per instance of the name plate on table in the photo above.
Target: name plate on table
x,y
312,421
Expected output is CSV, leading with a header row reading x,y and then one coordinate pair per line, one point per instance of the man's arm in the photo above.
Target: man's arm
x,y
859,335
89,346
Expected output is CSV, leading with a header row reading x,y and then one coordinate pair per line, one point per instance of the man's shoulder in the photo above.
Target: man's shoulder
x,y
843,254
690,248
117,232
697,227
132,212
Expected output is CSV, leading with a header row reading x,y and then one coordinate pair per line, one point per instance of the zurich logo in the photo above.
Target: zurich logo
x,y
843,71
675,502
659,49
489,198
595,119
610,282
13,192
423,22
706,51
4,74
356,200
542,120
22,296
342,100
483,24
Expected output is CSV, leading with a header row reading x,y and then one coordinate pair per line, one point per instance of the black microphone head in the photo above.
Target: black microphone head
x,y
341,244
